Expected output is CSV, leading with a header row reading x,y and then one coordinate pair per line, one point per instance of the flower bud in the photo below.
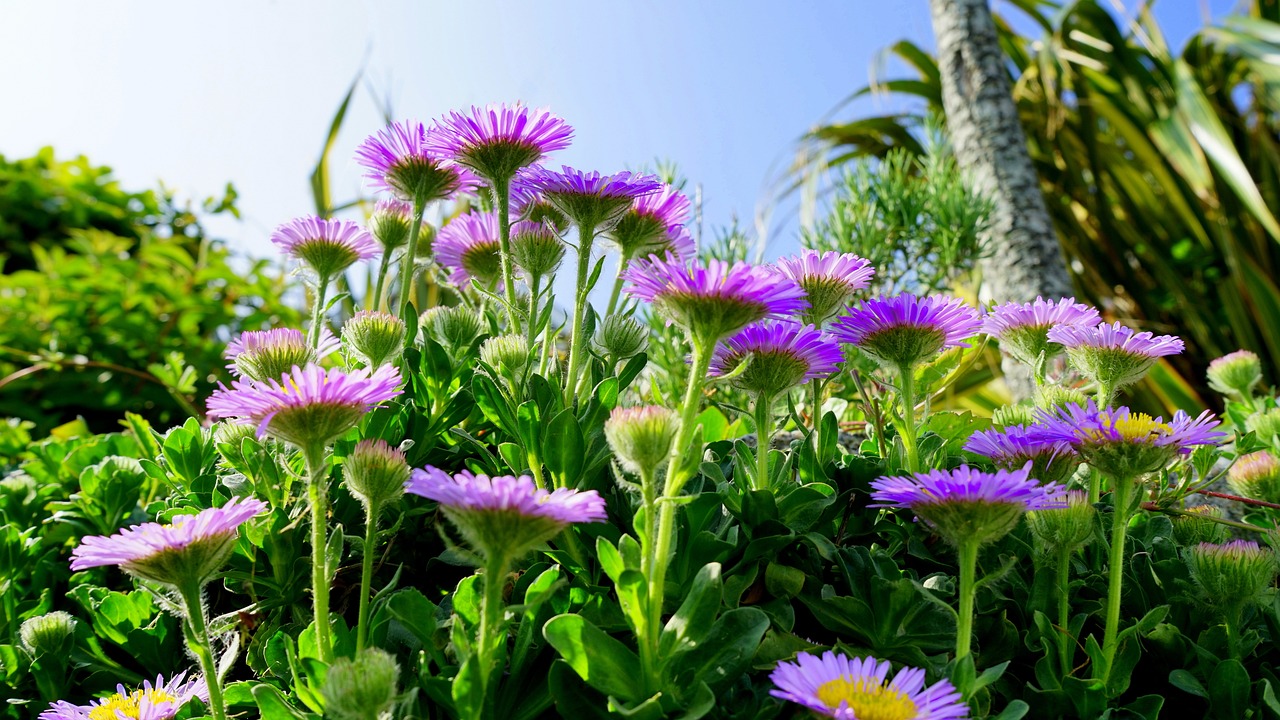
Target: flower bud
x,y
374,337
375,473
621,337
1236,374
1265,425
536,249
641,437
1256,475
50,634
1063,529
455,328
390,223
361,688
1190,530
1011,415
1051,397
1231,574
508,354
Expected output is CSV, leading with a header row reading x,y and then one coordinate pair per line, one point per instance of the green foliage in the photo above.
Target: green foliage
x,y
913,217
121,303
1160,169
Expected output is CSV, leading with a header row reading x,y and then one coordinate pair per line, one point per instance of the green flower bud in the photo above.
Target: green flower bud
x,y
957,520
1010,415
361,688
455,328
536,249
374,337
1063,529
508,354
1190,530
390,224
1236,374
641,437
1051,397
1256,475
375,473
1231,574
621,337
51,634
1265,425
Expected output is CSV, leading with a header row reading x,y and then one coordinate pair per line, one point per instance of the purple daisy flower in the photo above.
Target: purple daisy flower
x,y
829,279
966,504
400,160
498,140
191,547
650,226
269,354
469,247
715,299
527,203
308,405
845,688
783,354
326,246
591,200
1113,355
505,514
904,330
1127,444
1022,329
153,701
1014,446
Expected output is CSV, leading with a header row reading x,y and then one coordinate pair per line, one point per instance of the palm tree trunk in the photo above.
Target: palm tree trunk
x,y
1025,258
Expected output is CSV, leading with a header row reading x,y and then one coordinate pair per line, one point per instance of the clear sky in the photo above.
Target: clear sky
x,y
199,94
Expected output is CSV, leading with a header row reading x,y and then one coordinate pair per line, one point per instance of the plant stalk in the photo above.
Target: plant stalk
x,y
491,620
1120,491
1064,609
907,382
317,494
502,193
968,571
380,287
585,237
203,649
764,438
366,573
317,313
410,255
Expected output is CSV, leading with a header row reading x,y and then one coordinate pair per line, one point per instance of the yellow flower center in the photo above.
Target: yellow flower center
x,y
868,701
1137,427
130,705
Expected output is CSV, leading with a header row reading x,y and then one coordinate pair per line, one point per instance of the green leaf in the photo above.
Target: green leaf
x,y
603,662
273,705
1186,682
723,655
564,449
695,615
1229,689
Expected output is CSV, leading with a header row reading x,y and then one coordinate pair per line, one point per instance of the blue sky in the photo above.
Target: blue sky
x,y
198,97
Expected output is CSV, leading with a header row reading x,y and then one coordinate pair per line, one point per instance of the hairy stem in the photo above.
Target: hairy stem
x,y
378,300
964,621
1064,609
1121,489
491,620
677,475
203,649
585,237
410,254
502,193
617,286
764,438
317,494
366,573
907,382
317,313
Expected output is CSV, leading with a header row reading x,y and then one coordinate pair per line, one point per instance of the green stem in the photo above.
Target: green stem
x,y
491,621
907,382
677,476
1095,486
585,237
1121,488
1106,395
617,286
383,267
202,648
1064,609
968,590
366,574
1232,621
317,479
532,330
548,347
410,254
764,438
649,506
317,313
502,192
